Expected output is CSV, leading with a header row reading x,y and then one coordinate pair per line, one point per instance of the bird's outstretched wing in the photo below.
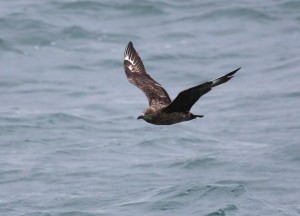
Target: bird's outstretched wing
x,y
137,75
187,98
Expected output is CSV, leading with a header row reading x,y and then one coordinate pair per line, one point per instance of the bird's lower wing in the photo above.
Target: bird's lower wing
x,y
187,98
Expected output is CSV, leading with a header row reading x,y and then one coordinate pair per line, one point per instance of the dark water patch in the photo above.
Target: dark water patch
x,y
195,196
65,117
244,13
82,6
142,8
198,190
221,190
5,46
39,121
195,163
72,67
284,64
11,175
109,63
78,32
288,152
78,213
15,179
77,200
292,94
148,146
135,204
117,37
37,213
9,83
178,36
163,58
231,182
78,94
229,209
10,48
290,6
190,190
100,106
226,32
19,124
136,8
195,140
165,205
38,40
41,90
232,13
86,173
228,55
28,24
28,32
151,143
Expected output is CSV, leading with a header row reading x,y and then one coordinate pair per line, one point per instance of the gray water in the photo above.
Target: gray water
x,y
70,144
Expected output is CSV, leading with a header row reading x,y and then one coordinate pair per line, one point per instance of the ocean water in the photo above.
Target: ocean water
x,y
70,144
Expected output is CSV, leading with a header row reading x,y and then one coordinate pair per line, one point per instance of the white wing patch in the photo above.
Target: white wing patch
x,y
127,58
219,79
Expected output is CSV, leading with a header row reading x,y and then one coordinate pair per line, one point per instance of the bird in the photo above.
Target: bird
x,y
161,110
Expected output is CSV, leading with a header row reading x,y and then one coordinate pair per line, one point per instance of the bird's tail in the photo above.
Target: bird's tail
x,y
198,116
223,79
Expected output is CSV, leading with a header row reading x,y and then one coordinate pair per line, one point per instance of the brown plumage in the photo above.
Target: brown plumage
x,y
161,110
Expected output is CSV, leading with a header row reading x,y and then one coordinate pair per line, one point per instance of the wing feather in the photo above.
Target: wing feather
x,y
187,98
137,75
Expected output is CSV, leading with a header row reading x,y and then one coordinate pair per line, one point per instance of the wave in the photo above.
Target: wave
x,y
143,8
194,163
232,13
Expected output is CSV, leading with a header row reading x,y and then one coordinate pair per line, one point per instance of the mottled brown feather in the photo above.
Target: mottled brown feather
x,y
137,75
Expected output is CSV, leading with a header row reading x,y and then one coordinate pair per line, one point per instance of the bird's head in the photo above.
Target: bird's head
x,y
141,116
147,115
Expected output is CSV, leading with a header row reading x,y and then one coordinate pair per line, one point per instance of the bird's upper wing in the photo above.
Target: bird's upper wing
x,y
187,98
137,75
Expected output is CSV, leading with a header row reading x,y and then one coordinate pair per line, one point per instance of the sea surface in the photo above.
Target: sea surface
x,y
70,144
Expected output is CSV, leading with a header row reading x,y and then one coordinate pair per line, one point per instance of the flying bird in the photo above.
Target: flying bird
x,y
161,110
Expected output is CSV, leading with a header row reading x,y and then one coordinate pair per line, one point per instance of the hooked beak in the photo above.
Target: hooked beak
x,y
140,117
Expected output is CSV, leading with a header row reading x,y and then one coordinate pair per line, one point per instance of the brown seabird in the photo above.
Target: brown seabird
x,y
161,110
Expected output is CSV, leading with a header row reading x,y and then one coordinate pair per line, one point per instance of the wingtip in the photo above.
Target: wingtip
x,y
129,44
236,70
233,72
128,48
